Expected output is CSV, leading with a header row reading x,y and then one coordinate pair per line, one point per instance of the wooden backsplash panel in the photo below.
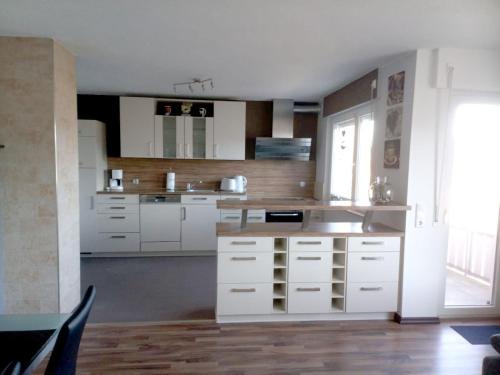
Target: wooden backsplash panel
x,y
265,177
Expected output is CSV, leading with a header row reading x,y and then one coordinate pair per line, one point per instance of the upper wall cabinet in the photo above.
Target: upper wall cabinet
x,y
146,132
229,130
137,128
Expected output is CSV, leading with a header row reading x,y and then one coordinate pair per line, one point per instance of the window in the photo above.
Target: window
x,y
352,137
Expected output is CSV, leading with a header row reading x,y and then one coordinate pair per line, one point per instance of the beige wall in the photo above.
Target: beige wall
x,y
37,217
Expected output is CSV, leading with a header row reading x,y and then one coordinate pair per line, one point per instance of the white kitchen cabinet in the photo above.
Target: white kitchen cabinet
x,y
309,298
229,130
137,128
92,177
243,299
160,224
184,137
199,219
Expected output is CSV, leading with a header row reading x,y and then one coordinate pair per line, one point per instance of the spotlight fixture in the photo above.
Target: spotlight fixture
x,y
195,85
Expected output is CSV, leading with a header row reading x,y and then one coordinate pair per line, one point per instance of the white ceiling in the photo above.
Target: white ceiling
x,y
253,49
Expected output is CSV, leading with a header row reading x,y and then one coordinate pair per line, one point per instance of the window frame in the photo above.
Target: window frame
x,y
354,113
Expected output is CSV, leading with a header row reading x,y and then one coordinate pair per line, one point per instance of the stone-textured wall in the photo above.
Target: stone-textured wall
x,y
30,251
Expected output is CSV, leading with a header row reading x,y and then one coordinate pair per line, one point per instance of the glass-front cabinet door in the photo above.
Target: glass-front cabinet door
x,y
169,137
201,134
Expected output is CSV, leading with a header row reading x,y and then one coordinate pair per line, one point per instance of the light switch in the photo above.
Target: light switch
x,y
419,216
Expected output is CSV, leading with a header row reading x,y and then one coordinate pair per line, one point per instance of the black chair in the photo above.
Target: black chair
x,y
63,358
13,368
491,364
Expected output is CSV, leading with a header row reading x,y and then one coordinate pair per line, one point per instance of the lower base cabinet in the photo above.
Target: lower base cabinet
x,y
306,275
244,299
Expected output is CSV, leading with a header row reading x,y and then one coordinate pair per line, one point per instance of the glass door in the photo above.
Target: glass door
x,y
473,203
199,137
169,137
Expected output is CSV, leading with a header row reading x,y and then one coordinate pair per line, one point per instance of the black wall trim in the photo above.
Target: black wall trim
x,y
423,320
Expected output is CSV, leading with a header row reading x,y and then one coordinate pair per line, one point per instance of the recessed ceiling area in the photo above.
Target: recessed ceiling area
x,y
259,49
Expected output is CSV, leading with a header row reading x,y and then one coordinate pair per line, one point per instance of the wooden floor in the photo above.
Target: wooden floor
x,y
366,348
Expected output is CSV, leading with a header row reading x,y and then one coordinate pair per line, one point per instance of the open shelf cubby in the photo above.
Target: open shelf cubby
x,y
280,260
340,245
279,291
280,245
338,275
338,305
280,263
279,305
338,260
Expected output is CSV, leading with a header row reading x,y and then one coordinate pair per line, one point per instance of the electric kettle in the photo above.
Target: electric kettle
x,y
241,184
228,184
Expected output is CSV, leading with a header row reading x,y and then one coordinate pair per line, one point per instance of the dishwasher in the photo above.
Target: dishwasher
x,y
160,217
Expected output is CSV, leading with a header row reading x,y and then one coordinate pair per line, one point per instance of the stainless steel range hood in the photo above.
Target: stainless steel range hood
x,y
282,145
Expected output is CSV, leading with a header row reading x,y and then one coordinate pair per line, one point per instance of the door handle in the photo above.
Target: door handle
x,y
186,149
308,258
374,289
91,202
244,258
243,290
216,150
183,214
308,289
243,242
372,258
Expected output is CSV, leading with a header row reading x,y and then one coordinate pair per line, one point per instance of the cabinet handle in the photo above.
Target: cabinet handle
x,y
308,258
199,199
115,198
186,150
91,202
372,258
232,217
308,289
179,150
244,258
243,290
183,214
309,242
374,289
117,208
243,242
255,217
216,150
117,217
372,243
150,148
118,237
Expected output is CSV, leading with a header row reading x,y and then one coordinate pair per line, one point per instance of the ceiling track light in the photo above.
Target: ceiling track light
x,y
195,85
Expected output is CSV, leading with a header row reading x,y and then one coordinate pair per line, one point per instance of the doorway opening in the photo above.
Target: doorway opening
x,y
474,201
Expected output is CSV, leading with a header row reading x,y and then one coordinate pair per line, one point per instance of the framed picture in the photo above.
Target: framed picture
x,y
391,153
393,122
395,92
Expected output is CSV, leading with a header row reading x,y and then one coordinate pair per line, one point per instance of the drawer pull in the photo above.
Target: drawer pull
x,y
374,289
232,217
243,242
309,242
255,217
118,237
117,198
244,258
308,258
372,242
243,290
117,208
200,199
372,258
117,217
308,289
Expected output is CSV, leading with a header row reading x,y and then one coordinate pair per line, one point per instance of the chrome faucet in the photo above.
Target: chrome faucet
x,y
191,185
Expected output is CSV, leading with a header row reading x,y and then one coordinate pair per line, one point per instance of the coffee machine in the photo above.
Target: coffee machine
x,y
116,180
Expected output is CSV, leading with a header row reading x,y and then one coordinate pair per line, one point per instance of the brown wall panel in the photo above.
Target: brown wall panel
x,y
355,93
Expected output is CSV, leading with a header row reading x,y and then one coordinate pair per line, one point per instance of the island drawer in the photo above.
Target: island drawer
x,y
245,244
310,244
306,298
244,267
366,244
244,299
310,266
113,208
118,198
199,199
373,267
118,242
372,297
118,222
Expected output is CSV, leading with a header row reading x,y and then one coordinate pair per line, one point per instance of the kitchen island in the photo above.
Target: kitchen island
x,y
308,271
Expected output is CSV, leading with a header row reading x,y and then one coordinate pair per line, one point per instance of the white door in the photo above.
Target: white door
x,y
229,130
160,222
198,227
87,152
88,226
137,127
